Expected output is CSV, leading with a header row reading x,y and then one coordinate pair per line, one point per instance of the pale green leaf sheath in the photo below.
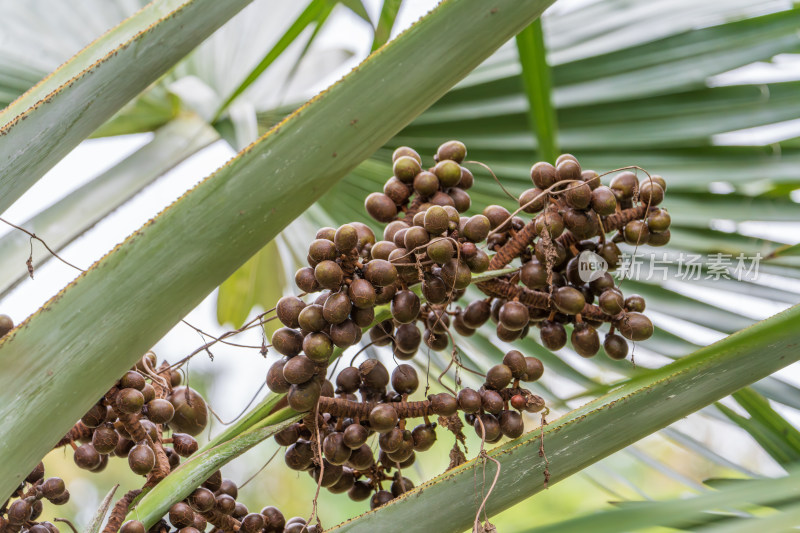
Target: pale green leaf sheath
x,y
113,313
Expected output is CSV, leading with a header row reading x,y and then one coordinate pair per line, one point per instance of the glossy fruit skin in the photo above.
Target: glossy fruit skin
x,y
191,412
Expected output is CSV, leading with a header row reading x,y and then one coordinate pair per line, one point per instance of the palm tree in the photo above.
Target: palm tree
x,y
633,82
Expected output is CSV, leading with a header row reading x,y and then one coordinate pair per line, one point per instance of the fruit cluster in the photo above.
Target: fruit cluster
x,y
403,291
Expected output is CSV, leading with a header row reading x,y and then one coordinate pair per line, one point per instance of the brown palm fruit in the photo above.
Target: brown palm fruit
x,y
415,240
407,338
469,400
634,302
477,227
553,253
635,326
191,412
452,150
373,374
604,202
6,325
183,444
591,178
53,487
160,411
129,401
305,280
345,483
476,314
549,222
362,294
318,347
181,515
436,220
133,380
625,184
405,379
515,362
397,191
498,377
651,193
337,308
299,455
534,275
533,200
303,397
391,441
456,274
636,232
382,418
401,485
435,341
380,273
478,262
543,175
553,335
443,404
400,152
345,334
611,253
132,526
568,169
424,437
582,224
569,300
274,521
226,504
275,380
658,221
354,436
487,427
348,380
405,306
287,341
535,369
498,216
511,424
202,500
322,250
659,239
380,207
513,315
382,497
443,199
105,439
360,491
426,184
95,416
434,290
335,450
381,250
491,401
299,369
615,346
585,340
252,523
578,195
461,199
611,302
440,250
381,334
141,459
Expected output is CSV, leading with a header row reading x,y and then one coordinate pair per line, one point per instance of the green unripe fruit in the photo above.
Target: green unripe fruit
x,y
448,172
477,228
436,220
405,168
452,150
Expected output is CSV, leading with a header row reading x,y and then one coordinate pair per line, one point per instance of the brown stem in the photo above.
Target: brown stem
x,y
536,299
340,407
120,510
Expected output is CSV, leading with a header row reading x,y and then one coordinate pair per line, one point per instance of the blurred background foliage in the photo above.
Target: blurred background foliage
x,y
703,93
